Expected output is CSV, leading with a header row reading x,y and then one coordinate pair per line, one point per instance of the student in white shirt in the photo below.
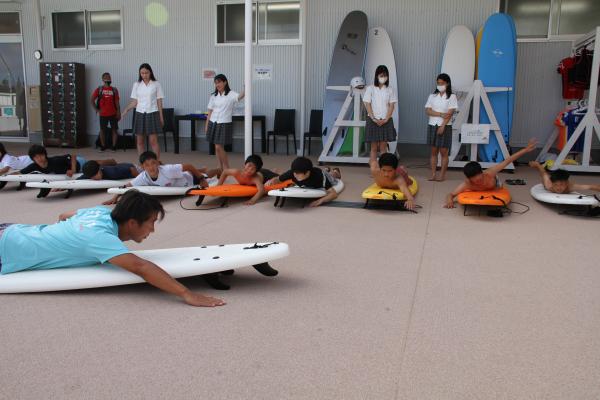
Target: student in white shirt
x,y
219,126
380,101
168,175
147,99
440,107
12,163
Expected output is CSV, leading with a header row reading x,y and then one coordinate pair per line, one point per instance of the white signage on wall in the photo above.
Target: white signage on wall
x,y
263,72
475,133
208,74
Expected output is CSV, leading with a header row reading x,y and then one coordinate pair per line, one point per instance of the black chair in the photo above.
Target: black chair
x,y
285,125
315,129
129,131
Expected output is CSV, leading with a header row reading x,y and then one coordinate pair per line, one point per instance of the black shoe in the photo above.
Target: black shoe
x,y
265,269
228,272
214,282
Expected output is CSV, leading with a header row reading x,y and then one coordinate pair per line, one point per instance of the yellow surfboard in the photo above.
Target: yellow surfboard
x,y
375,192
477,45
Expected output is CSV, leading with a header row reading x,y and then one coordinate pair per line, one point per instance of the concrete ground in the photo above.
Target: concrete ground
x,y
369,305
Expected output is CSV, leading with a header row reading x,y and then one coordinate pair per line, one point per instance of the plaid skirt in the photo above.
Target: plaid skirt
x,y
147,123
219,133
383,133
444,140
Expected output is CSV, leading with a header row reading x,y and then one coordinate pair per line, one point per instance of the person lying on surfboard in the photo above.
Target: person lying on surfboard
x,y
253,174
67,164
168,175
96,172
388,175
557,181
12,163
479,180
93,236
304,174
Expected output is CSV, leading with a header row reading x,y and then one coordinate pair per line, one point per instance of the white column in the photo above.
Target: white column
x,y
248,79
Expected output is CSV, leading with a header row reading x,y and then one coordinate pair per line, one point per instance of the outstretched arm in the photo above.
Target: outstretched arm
x,y
409,204
330,196
156,276
578,186
529,148
225,174
258,182
543,174
450,197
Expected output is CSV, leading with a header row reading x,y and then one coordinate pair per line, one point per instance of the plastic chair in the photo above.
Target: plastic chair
x,y
284,125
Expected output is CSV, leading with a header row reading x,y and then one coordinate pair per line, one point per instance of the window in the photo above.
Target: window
x,y
10,24
543,19
277,22
104,28
68,30
87,29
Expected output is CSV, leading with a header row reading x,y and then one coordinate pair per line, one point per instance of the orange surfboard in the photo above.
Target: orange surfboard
x,y
497,197
234,190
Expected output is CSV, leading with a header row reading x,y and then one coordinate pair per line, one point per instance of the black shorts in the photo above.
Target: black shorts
x,y
106,121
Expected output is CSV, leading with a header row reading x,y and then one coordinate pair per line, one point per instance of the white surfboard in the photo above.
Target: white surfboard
x,y
458,59
34,177
305,193
178,262
78,184
381,52
539,193
153,190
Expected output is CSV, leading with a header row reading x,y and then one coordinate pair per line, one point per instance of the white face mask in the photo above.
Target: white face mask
x,y
382,80
441,88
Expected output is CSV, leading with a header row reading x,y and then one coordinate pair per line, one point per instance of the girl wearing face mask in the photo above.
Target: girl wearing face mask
x,y
219,126
380,100
440,107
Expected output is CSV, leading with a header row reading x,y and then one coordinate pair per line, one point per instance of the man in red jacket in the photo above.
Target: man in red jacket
x,y
105,100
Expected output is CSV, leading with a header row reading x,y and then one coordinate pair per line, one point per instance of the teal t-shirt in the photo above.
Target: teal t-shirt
x,y
89,237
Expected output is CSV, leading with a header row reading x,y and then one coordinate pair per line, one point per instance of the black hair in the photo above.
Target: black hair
x,y
149,68
256,160
137,206
37,149
472,168
388,159
2,151
106,73
559,175
147,155
382,69
222,78
301,164
90,168
445,78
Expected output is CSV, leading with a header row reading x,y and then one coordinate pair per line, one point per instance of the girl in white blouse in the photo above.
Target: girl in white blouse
x,y
440,107
147,99
380,101
219,126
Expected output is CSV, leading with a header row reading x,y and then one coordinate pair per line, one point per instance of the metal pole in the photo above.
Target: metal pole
x,y
248,80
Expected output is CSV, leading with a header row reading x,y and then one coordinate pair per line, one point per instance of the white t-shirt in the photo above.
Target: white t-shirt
x,y
147,96
222,107
380,98
13,162
440,103
169,175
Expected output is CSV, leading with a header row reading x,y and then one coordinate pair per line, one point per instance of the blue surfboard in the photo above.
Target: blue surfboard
x,y
497,66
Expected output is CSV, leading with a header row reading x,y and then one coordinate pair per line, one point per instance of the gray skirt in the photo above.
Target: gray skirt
x,y
384,133
146,123
219,133
444,140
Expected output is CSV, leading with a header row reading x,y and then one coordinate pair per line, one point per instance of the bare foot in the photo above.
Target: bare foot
x,y
441,179
432,178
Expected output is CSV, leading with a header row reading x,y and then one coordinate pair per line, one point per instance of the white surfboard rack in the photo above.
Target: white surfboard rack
x,y
477,95
356,95
590,121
